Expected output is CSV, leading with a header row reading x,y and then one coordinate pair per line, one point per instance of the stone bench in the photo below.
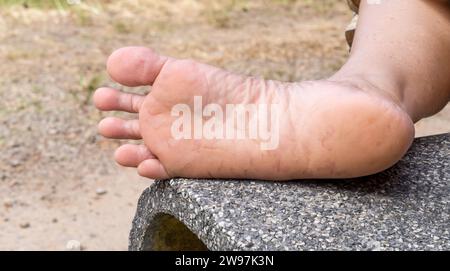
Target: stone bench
x,y
404,208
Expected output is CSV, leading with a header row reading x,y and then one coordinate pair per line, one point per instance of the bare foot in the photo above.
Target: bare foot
x,y
327,129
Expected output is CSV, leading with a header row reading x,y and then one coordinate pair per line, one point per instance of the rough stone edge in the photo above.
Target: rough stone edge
x,y
162,197
157,202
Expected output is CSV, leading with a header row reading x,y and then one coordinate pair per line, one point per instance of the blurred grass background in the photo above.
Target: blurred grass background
x,y
38,3
53,55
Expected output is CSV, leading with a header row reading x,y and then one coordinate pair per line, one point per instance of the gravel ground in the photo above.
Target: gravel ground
x,y
57,180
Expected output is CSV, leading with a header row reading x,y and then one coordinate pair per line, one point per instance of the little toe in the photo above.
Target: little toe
x,y
117,128
108,99
130,155
135,66
153,169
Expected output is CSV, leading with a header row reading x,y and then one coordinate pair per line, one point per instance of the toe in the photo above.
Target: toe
x,y
119,129
108,99
135,66
130,155
153,169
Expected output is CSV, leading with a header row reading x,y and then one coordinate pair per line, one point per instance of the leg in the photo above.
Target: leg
x,y
402,48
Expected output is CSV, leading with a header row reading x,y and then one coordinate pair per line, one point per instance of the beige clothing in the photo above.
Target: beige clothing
x,y
350,31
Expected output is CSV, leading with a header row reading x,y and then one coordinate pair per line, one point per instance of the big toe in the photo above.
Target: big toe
x,y
135,66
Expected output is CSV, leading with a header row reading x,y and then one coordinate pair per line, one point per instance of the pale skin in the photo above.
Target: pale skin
x,y
355,123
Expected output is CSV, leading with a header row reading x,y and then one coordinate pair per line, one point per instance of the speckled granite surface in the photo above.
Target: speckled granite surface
x,y
404,208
